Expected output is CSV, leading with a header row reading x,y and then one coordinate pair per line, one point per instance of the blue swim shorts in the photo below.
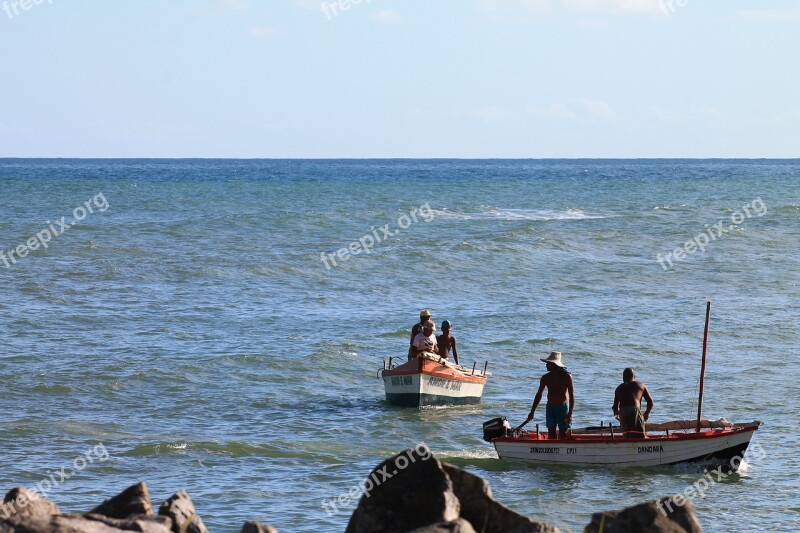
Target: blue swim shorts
x,y
556,415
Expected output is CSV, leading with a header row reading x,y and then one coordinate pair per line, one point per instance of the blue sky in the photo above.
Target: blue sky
x,y
392,78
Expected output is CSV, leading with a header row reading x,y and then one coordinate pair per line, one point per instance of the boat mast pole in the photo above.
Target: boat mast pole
x,y
703,368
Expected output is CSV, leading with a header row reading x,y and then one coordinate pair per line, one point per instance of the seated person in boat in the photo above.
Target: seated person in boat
x,y
424,316
425,341
560,397
628,405
447,341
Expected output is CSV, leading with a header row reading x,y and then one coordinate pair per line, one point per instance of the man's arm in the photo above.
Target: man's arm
x,y
649,400
414,330
617,401
571,390
455,351
537,399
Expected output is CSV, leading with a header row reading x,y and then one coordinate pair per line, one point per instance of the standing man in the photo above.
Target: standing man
x,y
425,341
628,405
560,397
447,341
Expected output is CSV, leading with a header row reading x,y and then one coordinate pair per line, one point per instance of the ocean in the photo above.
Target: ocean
x,y
217,325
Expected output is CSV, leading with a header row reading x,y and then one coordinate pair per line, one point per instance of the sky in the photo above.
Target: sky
x,y
400,78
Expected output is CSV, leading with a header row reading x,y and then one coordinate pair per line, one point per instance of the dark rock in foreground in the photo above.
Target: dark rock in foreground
x,y
180,509
89,523
131,501
407,499
662,516
257,527
414,491
483,512
22,502
410,492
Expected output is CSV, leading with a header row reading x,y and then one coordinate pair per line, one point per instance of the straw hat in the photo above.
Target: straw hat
x,y
555,358
424,314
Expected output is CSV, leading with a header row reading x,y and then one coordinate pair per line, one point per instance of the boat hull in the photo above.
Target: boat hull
x,y
723,447
424,382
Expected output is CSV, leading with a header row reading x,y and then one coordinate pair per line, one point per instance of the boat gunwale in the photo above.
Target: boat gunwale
x,y
439,371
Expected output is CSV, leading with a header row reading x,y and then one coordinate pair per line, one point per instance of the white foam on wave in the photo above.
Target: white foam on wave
x,y
486,452
519,214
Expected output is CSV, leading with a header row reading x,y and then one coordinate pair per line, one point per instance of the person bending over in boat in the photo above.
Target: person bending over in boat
x,y
560,397
425,341
628,405
424,316
447,341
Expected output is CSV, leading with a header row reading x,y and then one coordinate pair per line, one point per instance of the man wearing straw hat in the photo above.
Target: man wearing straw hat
x,y
560,397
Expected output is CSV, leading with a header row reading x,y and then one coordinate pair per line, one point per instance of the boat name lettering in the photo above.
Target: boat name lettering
x,y
650,449
444,383
572,451
399,381
546,450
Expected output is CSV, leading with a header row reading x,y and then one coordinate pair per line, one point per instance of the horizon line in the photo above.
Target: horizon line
x,y
160,158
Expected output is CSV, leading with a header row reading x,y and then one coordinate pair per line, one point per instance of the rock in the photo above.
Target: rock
x,y
257,527
84,524
662,516
483,512
183,514
142,522
458,526
134,500
408,491
22,502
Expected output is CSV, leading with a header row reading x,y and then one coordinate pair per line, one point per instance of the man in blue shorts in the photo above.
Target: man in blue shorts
x,y
560,397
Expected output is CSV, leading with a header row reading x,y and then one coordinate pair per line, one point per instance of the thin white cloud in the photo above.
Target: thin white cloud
x,y
583,111
785,14
307,5
234,5
261,32
595,7
600,110
219,7
387,15
614,7
556,111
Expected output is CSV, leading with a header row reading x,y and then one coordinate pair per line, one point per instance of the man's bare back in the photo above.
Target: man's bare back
x,y
630,394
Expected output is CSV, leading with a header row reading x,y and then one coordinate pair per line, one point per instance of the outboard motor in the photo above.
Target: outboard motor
x,y
496,427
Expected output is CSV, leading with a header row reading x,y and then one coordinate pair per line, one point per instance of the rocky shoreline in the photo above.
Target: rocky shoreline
x,y
419,494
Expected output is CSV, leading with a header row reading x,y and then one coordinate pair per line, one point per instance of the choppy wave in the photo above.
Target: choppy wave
x,y
518,214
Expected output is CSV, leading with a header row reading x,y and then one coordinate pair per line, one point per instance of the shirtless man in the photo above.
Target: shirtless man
x,y
447,341
560,397
628,404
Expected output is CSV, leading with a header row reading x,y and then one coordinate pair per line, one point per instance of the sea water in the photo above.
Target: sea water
x,y
217,326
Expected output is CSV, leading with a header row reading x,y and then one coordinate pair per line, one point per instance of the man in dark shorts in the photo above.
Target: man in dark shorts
x,y
628,405
447,341
560,397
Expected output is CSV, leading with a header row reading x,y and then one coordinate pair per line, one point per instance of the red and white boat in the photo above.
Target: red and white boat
x,y
720,443
723,445
431,380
